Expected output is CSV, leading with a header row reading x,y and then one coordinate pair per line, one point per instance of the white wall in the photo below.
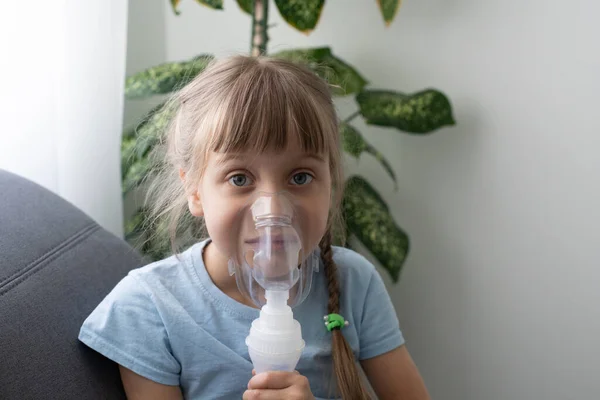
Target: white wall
x,y
61,102
499,299
146,47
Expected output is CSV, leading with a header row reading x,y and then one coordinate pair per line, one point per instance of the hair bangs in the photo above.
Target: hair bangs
x,y
265,110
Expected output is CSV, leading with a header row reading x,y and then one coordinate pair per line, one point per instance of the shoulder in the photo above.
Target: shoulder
x,y
357,276
137,304
141,286
366,303
141,298
353,266
169,274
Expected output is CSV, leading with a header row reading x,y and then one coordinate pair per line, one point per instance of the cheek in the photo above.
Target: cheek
x,y
221,220
314,219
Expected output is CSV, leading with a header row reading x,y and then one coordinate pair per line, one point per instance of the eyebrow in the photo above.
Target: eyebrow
x,y
225,157
315,156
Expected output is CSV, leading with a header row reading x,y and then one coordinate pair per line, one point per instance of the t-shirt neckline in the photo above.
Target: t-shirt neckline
x,y
219,298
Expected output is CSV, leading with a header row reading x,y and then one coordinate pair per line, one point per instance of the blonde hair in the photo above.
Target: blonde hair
x,y
246,103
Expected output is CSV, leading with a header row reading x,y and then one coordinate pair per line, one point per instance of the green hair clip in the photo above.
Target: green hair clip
x,y
335,321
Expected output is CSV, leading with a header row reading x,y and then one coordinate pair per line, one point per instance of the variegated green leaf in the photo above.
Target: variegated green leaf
x,y
389,9
152,127
138,172
245,5
354,144
369,220
164,78
174,4
136,160
301,14
421,112
215,4
159,249
156,244
127,153
135,225
152,237
139,142
342,76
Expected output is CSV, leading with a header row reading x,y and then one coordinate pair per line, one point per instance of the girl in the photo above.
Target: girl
x,y
177,327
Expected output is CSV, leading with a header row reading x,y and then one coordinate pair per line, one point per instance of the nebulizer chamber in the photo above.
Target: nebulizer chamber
x,y
274,271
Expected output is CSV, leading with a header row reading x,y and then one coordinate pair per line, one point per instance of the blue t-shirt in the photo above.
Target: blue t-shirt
x,y
168,322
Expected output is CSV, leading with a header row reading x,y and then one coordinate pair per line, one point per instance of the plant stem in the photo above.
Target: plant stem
x,y
260,17
352,116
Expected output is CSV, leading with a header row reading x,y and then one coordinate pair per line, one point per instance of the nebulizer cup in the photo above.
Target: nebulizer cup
x,y
274,271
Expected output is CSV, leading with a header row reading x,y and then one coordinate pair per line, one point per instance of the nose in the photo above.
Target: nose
x,y
272,204
269,185
277,206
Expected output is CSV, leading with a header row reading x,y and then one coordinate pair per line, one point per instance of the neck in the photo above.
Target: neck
x,y
216,266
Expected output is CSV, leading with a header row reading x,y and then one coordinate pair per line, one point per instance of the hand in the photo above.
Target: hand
x,y
278,385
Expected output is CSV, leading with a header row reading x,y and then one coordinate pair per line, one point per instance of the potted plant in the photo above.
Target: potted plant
x,y
367,217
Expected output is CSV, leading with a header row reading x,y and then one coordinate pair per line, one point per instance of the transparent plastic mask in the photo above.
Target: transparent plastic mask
x,y
269,251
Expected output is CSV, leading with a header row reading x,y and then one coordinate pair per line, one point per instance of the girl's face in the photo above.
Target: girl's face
x,y
232,181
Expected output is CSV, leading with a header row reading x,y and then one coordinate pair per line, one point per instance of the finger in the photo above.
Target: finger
x,y
301,390
265,394
253,372
273,380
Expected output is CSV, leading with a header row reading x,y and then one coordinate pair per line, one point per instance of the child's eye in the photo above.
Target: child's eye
x,y
239,180
301,178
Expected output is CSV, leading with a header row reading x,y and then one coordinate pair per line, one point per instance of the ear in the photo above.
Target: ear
x,y
195,205
194,201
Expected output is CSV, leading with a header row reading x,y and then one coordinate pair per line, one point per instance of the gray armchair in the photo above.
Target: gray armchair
x,y
56,265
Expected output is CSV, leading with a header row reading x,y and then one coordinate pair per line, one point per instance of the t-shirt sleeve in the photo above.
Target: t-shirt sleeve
x,y
379,328
127,328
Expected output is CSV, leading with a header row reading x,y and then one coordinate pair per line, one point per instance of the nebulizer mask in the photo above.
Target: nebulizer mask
x,y
274,270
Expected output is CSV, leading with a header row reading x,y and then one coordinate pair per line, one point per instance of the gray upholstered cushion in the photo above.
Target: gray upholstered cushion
x,y
56,265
